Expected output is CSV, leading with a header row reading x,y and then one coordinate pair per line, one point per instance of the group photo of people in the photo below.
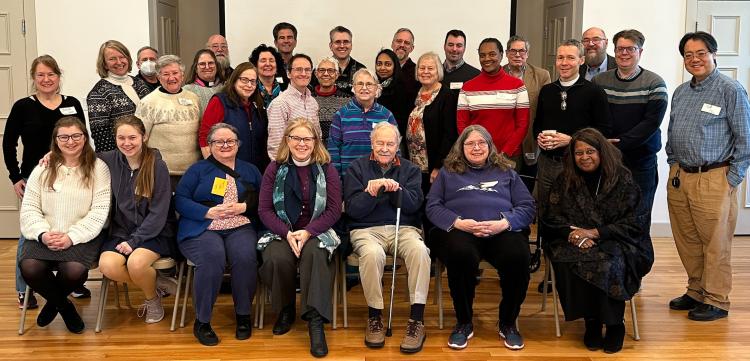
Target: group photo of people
x,y
265,175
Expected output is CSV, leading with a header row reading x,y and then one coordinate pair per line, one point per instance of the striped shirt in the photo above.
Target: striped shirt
x,y
349,137
289,105
500,103
708,124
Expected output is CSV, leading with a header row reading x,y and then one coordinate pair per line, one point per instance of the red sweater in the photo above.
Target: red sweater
x,y
499,103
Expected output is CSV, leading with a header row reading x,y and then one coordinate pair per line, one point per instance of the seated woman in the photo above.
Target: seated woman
x,y
63,212
141,229
216,200
474,173
300,200
595,243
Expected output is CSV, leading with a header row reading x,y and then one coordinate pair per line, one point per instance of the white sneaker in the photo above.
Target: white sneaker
x,y
152,309
166,285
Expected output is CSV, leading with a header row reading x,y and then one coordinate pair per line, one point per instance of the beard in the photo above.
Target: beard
x,y
223,61
594,59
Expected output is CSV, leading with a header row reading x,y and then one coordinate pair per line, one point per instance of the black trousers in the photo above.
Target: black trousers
x,y
461,253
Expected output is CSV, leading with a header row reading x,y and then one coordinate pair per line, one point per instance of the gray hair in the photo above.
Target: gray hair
x,y
331,60
215,128
576,43
382,126
401,30
438,64
372,75
168,59
515,38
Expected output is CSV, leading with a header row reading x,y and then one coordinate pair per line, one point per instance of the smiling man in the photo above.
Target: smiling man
x,y
218,44
708,151
637,102
285,39
457,71
597,60
403,44
496,101
341,49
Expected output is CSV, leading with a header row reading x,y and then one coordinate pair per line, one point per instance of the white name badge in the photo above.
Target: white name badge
x,y
68,111
184,101
712,109
530,156
280,80
456,85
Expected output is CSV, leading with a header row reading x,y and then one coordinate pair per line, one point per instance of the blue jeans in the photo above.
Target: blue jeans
x,y
20,283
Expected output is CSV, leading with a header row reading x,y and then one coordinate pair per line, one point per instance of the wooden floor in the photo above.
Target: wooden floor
x,y
665,334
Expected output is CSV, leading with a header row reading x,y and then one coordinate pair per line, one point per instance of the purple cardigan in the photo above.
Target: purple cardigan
x,y
325,221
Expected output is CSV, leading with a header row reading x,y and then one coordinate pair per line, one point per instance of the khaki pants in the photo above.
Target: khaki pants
x,y
703,215
371,245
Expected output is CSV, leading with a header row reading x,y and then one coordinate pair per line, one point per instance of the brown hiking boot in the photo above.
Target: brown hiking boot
x,y
414,337
375,333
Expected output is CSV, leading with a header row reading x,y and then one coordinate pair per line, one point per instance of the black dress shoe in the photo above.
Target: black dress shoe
x,y
683,303
72,319
706,312
592,338
244,329
205,334
47,314
285,320
318,345
613,338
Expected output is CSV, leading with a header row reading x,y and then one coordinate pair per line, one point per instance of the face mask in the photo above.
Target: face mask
x,y
148,68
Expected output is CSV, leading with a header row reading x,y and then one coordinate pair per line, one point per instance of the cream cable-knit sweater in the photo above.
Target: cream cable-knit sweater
x,y
70,207
172,122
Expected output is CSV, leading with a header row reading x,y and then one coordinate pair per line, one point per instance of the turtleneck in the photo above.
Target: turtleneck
x,y
569,83
303,163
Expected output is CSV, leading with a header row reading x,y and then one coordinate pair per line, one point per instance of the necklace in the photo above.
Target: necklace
x,y
597,185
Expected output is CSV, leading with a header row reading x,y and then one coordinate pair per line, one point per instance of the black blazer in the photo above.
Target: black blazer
x,y
611,64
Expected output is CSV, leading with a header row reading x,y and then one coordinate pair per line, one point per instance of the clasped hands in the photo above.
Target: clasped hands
x,y
582,238
373,186
297,240
552,141
56,241
483,228
226,210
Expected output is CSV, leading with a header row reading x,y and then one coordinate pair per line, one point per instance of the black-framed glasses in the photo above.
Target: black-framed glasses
x,y
301,140
563,100
247,81
224,143
594,40
302,70
517,51
324,71
64,138
626,49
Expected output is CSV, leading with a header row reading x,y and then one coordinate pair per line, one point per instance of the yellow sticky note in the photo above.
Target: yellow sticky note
x,y
220,186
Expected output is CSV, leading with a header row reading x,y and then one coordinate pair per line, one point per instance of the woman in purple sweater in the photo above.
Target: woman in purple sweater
x,y
481,210
300,200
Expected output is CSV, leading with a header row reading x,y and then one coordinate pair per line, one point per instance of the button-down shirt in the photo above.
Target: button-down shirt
x,y
708,124
591,72
449,68
289,105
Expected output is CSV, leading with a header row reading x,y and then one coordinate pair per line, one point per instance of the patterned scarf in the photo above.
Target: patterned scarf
x,y
328,239
126,83
269,95
415,138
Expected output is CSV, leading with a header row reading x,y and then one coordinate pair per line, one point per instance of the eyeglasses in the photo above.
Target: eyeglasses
x,y
563,98
342,42
224,143
701,54
402,42
479,143
361,85
209,64
302,70
517,51
64,138
626,49
301,140
594,40
324,71
247,81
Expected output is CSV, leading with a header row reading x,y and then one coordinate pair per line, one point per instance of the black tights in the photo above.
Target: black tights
x,y
54,288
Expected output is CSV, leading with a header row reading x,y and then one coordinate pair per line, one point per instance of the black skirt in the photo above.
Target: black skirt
x,y
164,247
581,299
84,253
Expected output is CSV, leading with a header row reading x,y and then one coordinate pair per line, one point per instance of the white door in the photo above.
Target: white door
x,y
729,23
562,21
164,30
13,85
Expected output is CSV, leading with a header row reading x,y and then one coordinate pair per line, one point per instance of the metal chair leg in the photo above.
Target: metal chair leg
x,y
190,271
554,299
335,292
546,277
342,266
127,295
102,303
117,294
258,300
636,334
262,307
180,270
22,323
439,290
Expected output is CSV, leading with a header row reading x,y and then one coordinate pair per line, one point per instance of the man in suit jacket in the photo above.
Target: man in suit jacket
x,y
597,60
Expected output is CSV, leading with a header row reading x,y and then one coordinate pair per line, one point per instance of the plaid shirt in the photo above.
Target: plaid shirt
x,y
708,124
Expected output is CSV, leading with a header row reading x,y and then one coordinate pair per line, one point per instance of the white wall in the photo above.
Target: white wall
x,y
660,55
72,31
372,24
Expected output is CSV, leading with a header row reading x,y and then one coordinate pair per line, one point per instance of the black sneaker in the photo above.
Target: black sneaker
x,y
32,301
683,303
81,292
513,338
244,330
706,312
460,336
205,334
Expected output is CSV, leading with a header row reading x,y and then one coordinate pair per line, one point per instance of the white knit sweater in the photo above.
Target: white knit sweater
x,y
172,122
70,207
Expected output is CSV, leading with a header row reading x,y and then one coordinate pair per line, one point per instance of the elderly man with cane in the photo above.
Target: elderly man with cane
x,y
383,195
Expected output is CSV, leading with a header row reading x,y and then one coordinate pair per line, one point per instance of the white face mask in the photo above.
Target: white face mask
x,y
148,68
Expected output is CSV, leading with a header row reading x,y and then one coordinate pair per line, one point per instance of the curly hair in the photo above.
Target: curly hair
x,y
456,161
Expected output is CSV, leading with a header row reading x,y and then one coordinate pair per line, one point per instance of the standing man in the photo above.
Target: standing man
x,y
708,150
285,39
341,48
637,103
146,62
372,215
534,78
597,60
496,101
457,71
403,44
218,44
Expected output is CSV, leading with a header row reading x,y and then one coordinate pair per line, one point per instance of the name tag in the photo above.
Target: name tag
x,y
219,187
456,85
280,80
68,111
530,156
711,109
184,101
